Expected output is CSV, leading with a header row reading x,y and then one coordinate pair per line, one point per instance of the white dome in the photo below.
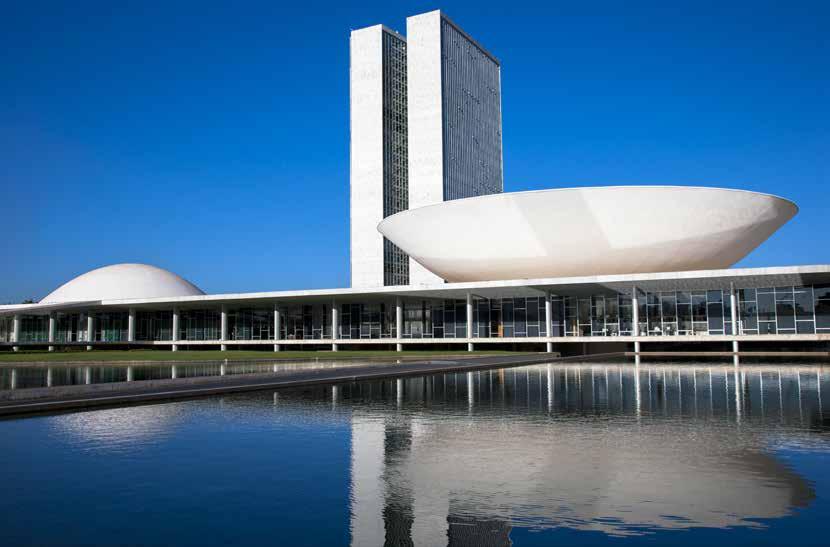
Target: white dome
x,y
122,282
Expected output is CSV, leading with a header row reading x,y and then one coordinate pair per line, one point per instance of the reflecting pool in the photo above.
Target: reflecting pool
x,y
38,376
541,455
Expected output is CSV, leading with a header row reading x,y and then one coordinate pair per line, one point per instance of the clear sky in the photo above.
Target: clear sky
x,y
212,138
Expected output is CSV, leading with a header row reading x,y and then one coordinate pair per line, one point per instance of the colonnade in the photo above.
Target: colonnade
x,y
635,330
335,322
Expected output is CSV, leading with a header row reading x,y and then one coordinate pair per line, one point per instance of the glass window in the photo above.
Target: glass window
x,y
822,291
520,321
805,327
684,318
700,328
584,311
766,307
655,326
783,293
786,315
612,313
747,295
507,312
715,319
669,305
699,307
532,310
766,327
804,303
823,314
749,315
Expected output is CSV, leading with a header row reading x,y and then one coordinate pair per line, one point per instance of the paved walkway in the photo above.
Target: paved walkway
x,y
122,393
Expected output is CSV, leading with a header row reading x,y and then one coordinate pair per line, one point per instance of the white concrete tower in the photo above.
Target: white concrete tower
x,y
425,128
378,164
454,122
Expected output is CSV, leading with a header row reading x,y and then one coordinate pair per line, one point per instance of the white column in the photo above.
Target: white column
x,y
548,318
131,326
223,328
16,331
175,334
635,319
635,313
733,305
469,321
399,322
52,328
277,327
335,325
90,330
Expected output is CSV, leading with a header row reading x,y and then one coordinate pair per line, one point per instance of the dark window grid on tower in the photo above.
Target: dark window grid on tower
x,y
472,114
395,173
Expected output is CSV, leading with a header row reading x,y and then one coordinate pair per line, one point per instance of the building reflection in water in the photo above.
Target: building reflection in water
x,y
461,459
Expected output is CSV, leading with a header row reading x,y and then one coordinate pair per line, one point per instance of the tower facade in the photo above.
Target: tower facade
x,y
379,171
425,128
455,141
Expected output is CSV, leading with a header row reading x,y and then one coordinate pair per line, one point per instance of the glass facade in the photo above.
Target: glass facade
x,y
366,321
785,310
6,328
251,324
306,322
34,328
395,168
200,324
154,325
767,310
70,327
111,326
471,102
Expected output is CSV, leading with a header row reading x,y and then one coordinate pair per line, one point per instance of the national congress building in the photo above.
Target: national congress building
x,y
441,256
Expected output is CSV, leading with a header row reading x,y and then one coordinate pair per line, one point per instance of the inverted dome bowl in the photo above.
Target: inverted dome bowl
x,y
587,231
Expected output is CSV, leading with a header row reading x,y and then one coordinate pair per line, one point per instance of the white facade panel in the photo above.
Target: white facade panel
x,y
366,156
426,163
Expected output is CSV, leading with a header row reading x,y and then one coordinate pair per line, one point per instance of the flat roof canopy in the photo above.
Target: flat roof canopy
x,y
564,286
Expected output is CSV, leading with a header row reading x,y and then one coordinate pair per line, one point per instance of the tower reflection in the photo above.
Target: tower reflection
x,y
462,459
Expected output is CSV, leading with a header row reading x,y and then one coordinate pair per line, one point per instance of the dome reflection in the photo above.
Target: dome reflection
x,y
120,428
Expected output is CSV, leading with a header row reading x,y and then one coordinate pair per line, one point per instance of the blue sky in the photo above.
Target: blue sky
x,y
211,139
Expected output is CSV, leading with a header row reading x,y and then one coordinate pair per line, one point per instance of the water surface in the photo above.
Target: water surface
x,y
541,455
38,376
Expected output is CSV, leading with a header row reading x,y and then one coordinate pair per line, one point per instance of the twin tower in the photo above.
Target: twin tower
x,y
425,128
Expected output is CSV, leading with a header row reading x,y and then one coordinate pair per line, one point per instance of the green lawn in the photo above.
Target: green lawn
x,y
208,355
